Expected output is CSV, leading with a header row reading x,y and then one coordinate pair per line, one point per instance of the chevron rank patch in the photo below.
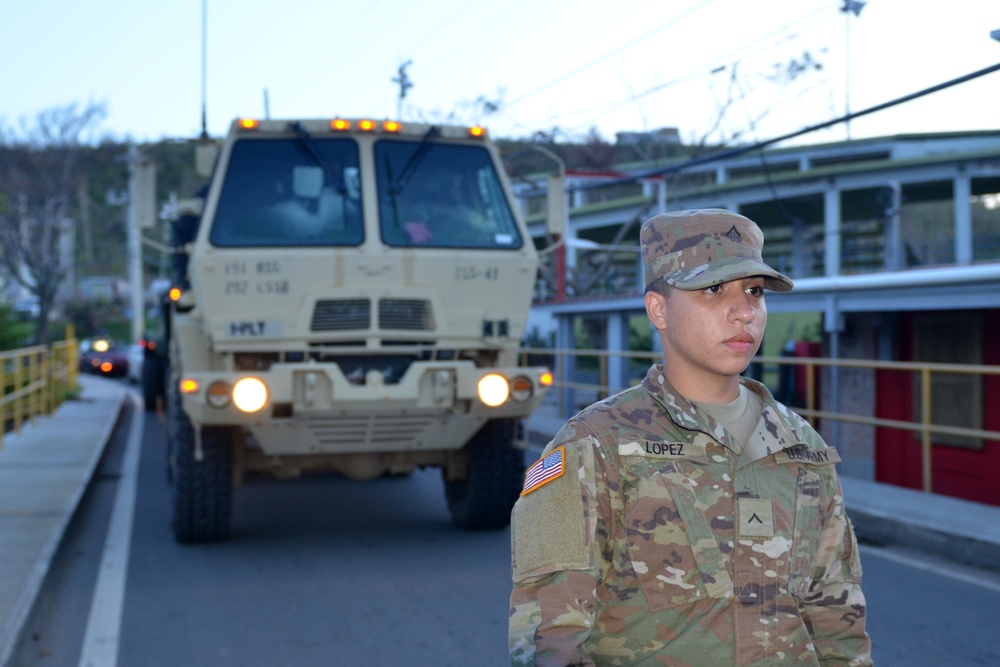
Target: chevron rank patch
x,y
545,470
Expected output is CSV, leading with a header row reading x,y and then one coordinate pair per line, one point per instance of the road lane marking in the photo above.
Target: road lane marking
x,y
101,639
940,567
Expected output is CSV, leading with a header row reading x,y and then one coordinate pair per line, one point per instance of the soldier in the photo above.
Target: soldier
x,y
692,519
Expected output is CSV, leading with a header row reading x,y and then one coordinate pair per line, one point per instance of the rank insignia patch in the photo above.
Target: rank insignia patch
x,y
545,470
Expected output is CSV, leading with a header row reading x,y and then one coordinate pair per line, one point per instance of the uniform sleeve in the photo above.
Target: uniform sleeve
x,y
834,609
556,561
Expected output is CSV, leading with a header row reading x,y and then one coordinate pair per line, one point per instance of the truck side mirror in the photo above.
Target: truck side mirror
x,y
555,215
205,154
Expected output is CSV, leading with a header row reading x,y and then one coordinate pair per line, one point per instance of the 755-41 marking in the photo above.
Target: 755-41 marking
x,y
466,273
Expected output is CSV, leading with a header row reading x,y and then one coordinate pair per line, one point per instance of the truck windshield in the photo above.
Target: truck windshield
x,y
276,193
445,196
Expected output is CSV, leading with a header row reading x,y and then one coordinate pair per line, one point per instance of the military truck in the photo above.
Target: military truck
x,y
351,299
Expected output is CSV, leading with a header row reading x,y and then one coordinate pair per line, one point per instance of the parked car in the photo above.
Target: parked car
x,y
103,356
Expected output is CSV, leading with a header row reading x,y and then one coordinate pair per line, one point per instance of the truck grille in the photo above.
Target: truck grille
x,y
341,315
405,314
354,314
347,432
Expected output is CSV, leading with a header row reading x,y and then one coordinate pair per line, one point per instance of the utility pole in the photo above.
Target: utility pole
x,y
404,86
141,215
849,7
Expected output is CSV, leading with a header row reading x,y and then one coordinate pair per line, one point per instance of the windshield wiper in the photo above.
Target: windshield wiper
x,y
307,142
396,186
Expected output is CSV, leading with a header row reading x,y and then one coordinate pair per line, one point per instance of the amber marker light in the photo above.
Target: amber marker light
x,y
249,123
188,386
340,124
521,389
106,367
217,394
366,125
545,379
477,131
174,294
392,126
493,390
249,394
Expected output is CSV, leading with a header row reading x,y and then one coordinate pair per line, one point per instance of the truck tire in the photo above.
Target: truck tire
x,y
495,474
203,490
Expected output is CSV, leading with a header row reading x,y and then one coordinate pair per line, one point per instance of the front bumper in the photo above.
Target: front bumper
x,y
313,408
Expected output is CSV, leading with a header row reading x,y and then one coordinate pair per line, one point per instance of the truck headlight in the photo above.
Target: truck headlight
x,y
249,394
493,389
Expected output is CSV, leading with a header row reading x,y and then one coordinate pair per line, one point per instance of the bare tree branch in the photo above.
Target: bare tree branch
x,y
40,174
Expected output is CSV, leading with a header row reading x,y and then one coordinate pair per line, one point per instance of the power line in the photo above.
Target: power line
x,y
705,69
604,56
347,50
440,26
734,152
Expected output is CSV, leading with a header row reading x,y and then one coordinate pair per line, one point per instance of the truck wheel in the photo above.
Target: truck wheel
x,y
203,489
495,475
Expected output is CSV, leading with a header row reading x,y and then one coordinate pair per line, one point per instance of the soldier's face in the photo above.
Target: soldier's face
x,y
709,336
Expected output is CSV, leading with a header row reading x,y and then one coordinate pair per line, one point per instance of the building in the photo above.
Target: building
x,y
894,247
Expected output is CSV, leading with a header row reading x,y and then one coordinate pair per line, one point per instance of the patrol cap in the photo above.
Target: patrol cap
x,y
699,248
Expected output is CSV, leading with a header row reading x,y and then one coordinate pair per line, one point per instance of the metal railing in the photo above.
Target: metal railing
x,y
809,410
35,381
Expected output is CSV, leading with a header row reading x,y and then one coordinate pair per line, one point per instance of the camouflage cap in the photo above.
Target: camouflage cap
x,y
699,248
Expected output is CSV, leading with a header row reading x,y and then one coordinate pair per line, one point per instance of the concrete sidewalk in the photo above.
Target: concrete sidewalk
x,y
44,471
959,530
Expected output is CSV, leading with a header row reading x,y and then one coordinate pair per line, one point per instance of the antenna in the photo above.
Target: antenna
x,y
204,74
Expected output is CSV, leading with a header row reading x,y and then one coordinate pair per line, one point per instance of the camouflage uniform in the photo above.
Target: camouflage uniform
x,y
662,542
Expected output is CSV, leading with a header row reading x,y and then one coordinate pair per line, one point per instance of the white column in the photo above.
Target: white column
x,y
963,218
831,230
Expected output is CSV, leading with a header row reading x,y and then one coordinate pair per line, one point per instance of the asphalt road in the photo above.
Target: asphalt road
x,y
325,571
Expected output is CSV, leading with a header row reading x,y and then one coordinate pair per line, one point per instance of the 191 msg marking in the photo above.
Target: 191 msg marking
x,y
466,273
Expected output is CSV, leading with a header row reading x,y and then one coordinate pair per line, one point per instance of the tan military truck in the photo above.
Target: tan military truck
x,y
351,299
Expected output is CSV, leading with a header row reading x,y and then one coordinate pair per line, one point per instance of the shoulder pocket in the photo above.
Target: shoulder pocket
x,y
551,528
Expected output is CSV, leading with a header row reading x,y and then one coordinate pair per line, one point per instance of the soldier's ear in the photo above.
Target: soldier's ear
x,y
656,309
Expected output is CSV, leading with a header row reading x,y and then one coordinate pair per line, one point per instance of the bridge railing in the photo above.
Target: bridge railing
x,y
35,381
593,383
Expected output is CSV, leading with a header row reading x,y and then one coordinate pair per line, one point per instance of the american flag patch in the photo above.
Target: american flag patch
x,y
545,470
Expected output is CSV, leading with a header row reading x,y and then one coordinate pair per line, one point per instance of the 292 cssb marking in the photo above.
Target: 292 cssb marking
x,y
253,328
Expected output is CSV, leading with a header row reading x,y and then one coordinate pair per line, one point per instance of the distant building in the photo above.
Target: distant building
x,y
106,288
894,247
665,135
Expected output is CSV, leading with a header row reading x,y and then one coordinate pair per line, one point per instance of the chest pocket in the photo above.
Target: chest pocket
x,y
671,543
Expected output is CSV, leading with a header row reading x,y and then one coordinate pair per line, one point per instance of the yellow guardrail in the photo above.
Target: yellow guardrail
x,y
35,381
925,428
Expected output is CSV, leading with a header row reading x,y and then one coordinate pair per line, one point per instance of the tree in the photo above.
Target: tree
x,y
40,176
